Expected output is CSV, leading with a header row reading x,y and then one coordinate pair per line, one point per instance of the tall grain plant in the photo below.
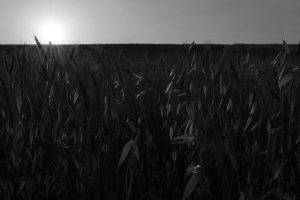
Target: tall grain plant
x,y
83,123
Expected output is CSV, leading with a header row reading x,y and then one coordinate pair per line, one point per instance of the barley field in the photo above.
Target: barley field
x,y
150,122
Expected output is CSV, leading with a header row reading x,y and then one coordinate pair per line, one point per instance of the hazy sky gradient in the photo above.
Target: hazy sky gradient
x,y
154,21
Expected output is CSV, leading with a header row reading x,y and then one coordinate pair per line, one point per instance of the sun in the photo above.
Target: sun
x,y
51,31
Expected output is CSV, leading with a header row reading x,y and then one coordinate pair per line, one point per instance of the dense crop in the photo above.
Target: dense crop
x,y
79,124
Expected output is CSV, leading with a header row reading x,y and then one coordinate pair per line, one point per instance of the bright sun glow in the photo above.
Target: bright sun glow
x,y
51,31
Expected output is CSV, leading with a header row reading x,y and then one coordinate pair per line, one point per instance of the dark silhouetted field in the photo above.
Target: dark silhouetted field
x,y
149,122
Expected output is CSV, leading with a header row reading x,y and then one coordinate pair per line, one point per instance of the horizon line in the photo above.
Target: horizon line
x,y
138,43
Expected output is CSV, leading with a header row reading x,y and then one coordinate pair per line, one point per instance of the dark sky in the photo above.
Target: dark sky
x,y
150,21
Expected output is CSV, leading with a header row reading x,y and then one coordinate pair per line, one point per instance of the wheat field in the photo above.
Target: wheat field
x,y
136,122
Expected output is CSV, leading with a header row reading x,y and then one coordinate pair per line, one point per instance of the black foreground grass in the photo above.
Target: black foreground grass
x,y
138,122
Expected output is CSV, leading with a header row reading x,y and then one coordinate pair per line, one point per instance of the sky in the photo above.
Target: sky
x,y
150,21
